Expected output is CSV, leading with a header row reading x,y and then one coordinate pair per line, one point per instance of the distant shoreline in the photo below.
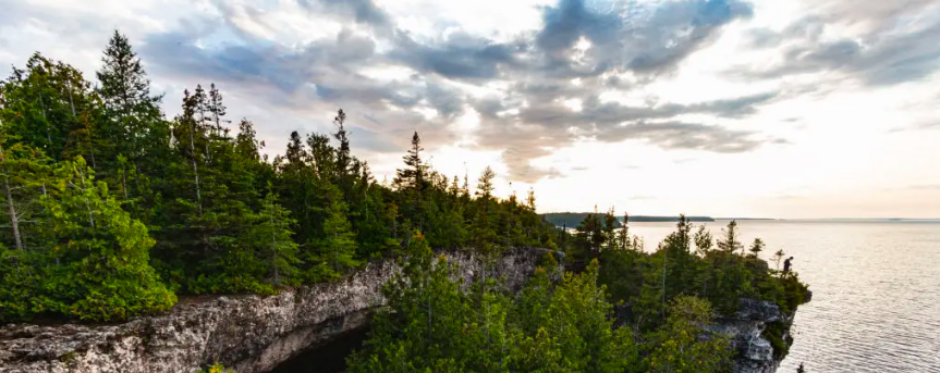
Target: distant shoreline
x,y
573,219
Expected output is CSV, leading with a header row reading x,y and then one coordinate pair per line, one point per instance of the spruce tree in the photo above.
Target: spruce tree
x,y
133,125
757,247
271,235
105,272
483,232
730,243
676,346
413,175
334,252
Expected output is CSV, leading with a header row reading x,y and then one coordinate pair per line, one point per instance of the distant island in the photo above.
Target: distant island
x,y
572,219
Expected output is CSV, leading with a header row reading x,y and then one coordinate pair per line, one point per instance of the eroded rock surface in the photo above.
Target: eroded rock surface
x,y
247,333
754,353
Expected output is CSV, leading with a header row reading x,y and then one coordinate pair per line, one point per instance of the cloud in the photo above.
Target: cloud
x,y
361,11
395,81
535,70
458,56
687,136
892,50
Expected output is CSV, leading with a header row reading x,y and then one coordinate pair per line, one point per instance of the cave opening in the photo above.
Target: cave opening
x,y
329,357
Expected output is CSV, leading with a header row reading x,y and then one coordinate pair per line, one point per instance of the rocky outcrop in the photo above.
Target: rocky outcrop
x,y
754,353
248,333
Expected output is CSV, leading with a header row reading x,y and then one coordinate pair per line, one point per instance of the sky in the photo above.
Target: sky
x,y
730,108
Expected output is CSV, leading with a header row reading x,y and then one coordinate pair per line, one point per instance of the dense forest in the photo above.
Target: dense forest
x,y
626,310
113,210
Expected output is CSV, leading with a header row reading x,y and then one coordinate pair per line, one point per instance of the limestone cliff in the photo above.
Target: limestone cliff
x,y
248,333
747,329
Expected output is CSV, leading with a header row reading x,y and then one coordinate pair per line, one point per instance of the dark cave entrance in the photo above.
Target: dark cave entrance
x,y
329,357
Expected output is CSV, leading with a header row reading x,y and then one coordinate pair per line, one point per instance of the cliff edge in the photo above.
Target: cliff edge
x,y
247,333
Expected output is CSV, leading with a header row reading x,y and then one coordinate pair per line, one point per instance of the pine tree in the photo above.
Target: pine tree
x,y
778,257
428,324
484,235
413,176
272,236
757,247
703,241
134,126
334,252
343,158
610,226
676,346
730,243
623,241
22,172
105,272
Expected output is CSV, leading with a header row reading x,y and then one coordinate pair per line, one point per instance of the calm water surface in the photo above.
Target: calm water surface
x,y
876,292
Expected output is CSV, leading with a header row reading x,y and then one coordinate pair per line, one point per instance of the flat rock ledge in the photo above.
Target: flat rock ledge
x,y
248,333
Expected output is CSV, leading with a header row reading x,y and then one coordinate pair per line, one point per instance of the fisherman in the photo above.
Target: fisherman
x,y
786,265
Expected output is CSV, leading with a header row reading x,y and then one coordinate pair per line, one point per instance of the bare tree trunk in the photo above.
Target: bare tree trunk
x,y
71,102
192,150
14,221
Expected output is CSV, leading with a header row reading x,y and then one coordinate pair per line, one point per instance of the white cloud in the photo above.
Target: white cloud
x,y
826,110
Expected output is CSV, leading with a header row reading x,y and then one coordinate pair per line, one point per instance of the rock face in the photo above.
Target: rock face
x,y
755,354
247,333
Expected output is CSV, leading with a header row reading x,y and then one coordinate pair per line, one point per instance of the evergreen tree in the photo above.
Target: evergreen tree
x,y
335,251
427,324
105,272
413,176
609,229
730,242
677,347
133,125
484,234
272,237
703,241
757,247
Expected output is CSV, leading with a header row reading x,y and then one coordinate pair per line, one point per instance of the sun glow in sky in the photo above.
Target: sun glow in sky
x,y
765,108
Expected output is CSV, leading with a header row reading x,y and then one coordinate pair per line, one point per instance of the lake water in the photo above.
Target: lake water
x,y
876,291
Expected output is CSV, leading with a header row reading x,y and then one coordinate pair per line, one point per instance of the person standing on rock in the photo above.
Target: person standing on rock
x,y
786,265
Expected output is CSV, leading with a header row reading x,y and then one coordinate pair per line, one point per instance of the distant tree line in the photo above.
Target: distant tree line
x,y
572,219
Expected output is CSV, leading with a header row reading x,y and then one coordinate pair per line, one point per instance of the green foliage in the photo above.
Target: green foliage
x,y
775,334
270,236
678,346
431,324
101,269
186,205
